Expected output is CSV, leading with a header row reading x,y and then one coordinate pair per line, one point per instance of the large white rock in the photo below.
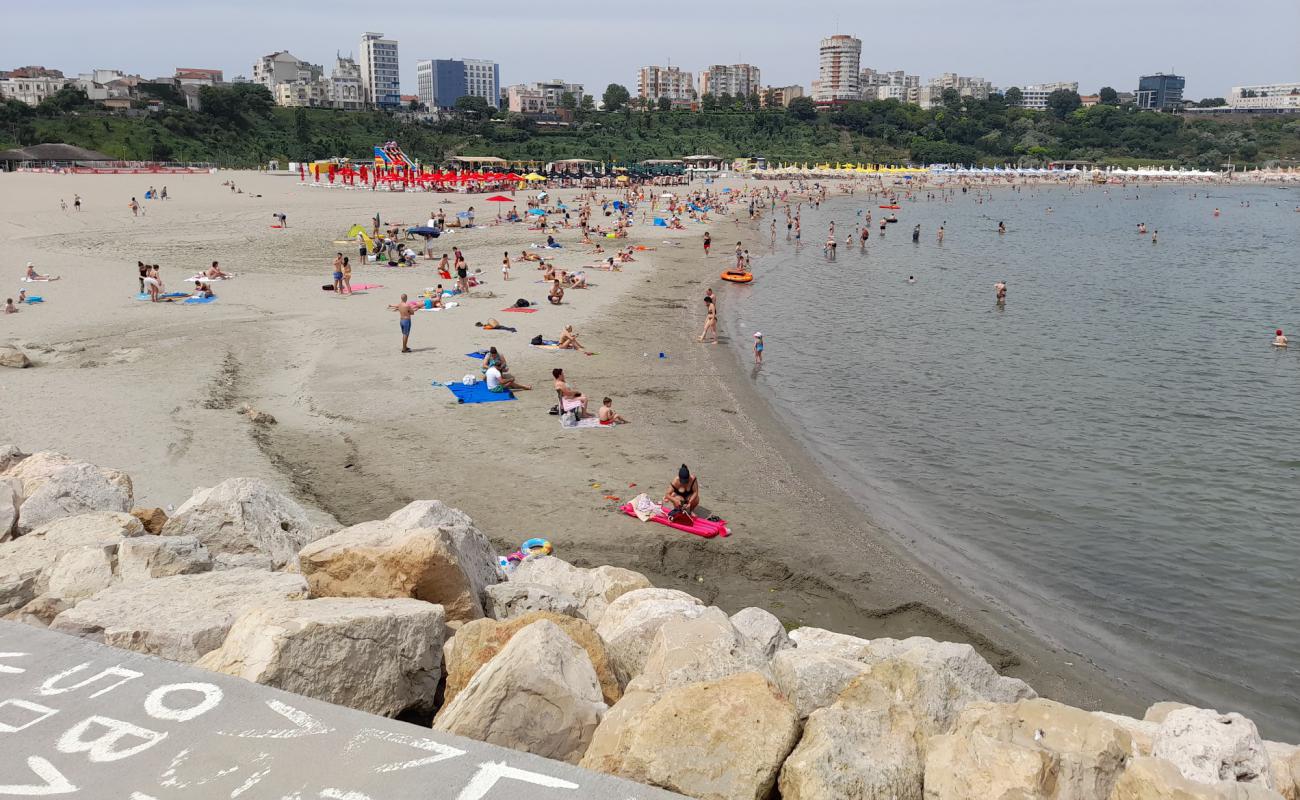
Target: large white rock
x,y
78,574
147,557
539,694
715,740
1147,778
838,644
1284,766
1142,732
514,599
594,588
630,623
706,648
27,562
473,550
10,455
1030,750
380,559
763,629
10,499
78,488
244,515
379,656
1208,747
35,469
813,679
11,356
181,617
868,744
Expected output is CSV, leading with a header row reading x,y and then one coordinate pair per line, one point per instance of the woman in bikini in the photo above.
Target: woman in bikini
x,y
683,493
710,322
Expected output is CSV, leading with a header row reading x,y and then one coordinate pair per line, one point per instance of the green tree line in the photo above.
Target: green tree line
x,y
240,126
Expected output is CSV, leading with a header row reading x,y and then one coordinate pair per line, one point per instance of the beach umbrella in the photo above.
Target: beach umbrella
x,y
424,230
533,176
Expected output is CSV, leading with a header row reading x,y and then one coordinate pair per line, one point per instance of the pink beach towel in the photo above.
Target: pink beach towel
x,y
699,526
513,310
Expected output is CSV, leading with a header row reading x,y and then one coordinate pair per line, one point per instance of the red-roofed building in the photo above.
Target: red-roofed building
x,y
190,76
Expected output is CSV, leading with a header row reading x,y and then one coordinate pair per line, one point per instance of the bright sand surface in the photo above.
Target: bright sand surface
x,y
154,389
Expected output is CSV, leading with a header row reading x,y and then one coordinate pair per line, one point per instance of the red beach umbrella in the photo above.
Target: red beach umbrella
x,y
499,199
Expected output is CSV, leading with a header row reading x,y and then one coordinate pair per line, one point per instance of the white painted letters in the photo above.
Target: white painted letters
x,y
49,687
490,772
101,749
156,708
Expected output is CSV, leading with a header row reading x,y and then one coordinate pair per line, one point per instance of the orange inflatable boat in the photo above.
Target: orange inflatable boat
x,y
738,277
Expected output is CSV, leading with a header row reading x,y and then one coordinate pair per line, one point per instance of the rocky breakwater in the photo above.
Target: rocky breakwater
x,y
411,616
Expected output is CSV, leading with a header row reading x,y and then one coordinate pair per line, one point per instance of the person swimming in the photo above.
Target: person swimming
x,y
1279,339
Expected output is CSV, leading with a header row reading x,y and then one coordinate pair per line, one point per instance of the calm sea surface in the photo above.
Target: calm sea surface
x,y
1114,455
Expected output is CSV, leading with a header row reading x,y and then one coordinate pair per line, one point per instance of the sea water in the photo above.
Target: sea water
x,y
1113,455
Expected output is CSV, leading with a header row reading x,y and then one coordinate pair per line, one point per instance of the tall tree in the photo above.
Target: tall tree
x,y
568,101
665,104
1063,102
615,97
1108,96
803,108
1013,96
474,107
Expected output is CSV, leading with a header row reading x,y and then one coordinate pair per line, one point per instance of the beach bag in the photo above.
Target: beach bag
x,y
537,340
644,507
569,419
469,380
522,303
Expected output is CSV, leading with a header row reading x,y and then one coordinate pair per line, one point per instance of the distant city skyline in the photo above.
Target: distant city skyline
x,y
1008,42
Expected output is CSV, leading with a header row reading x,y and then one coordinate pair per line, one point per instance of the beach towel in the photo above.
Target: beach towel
x,y
514,310
358,287
197,301
37,280
479,356
477,393
660,222
31,298
200,277
145,295
585,422
546,346
699,525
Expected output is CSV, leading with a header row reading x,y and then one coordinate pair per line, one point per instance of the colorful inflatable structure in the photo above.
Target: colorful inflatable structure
x,y
390,156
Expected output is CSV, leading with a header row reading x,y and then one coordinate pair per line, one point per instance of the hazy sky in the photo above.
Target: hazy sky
x,y
1215,44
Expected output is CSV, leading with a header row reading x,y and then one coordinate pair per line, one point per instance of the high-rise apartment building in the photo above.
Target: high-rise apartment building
x,y
737,80
440,82
543,97
891,85
779,96
654,82
1160,92
838,76
381,80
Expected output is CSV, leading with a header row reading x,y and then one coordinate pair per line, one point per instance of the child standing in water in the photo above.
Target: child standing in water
x,y
758,349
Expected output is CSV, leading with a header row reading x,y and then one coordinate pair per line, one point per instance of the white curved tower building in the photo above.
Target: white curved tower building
x,y
839,72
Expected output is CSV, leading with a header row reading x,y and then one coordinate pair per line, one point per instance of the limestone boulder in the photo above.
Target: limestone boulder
x,y
260,561
27,563
13,357
10,455
379,656
1284,765
957,658
514,599
153,519
244,515
477,642
181,617
838,644
763,629
714,740
147,557
1142,732
706,648
630,623
594,588
36,469
80,573
473,550
74,489
10,499
1157,712
867,744
1208,747
380,559
539,695
812,679
1148,778
1029,750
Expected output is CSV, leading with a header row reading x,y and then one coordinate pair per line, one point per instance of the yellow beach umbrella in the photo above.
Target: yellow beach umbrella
x,y
621,179
533,176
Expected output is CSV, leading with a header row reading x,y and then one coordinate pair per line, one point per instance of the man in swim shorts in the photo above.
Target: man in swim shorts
x,y
404,313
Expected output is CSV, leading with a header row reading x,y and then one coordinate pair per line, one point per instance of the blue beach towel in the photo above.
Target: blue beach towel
x,y
477,356
660,222
31,298
145,295
195,301
477,393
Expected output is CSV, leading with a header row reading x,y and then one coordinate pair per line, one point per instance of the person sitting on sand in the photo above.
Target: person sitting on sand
x,y
215,272
203,290
607,415
569,340
10,308
577,280
497,381
570,397
1279,340
683,494
33,275
556,295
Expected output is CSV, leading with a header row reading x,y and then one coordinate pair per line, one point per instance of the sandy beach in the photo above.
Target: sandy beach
x,y
154,389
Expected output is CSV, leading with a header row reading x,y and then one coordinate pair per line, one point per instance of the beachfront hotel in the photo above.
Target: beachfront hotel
x,y
380,78
838,75
1266,97
1034,96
